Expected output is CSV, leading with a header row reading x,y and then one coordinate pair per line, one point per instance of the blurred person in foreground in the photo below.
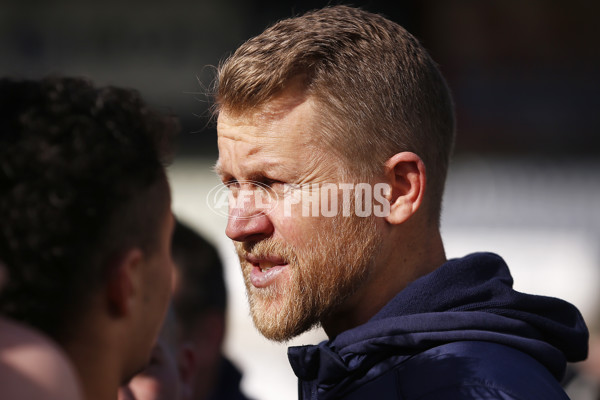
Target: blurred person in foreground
x,y
335,131
191,339
86,223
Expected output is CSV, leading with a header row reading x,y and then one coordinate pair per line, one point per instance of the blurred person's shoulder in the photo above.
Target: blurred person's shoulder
x,y
32,366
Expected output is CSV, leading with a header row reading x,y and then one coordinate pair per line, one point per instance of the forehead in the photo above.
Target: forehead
x,y
272,119
278,132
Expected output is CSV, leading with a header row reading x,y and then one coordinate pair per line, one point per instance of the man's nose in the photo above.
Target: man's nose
x,y
247,222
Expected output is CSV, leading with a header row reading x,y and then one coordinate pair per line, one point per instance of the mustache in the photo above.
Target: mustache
x,y
265,248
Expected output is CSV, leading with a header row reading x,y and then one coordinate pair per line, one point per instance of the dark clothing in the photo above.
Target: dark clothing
x,y
460,332
228,385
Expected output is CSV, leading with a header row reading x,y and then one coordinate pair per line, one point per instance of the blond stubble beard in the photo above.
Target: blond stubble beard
x,y
330,266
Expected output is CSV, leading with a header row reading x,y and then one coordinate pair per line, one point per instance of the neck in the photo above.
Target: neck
x,y
402,259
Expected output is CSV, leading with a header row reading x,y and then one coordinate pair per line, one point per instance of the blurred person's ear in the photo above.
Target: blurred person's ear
x,y
123,282
200,355
209,338
188,367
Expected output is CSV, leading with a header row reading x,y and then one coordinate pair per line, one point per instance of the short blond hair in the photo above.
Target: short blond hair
x,y
379,92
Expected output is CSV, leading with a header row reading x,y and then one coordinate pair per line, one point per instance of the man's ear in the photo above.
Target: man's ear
x,y
405,173
123,282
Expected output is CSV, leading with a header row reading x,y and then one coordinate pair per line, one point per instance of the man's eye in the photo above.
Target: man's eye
x,y
230,182
273,183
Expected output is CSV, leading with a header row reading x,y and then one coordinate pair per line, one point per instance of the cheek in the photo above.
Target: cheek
x,y
161,285
296,224
309,231
291,229
166,274
169,272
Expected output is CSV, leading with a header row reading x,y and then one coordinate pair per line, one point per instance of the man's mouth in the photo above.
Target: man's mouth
x,y
265,270
265,266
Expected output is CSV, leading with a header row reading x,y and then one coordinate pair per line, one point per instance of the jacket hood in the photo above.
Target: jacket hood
x,y
470,298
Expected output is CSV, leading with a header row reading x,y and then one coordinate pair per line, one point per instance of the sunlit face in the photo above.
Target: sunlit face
x,y
158,381
297,269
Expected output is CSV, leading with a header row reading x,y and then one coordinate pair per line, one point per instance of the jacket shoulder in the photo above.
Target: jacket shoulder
x,y
464,370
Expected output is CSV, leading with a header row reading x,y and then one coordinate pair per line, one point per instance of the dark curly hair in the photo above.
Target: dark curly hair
x,y
81,179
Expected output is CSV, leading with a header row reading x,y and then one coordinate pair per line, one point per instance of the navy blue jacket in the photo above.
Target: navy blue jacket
x,y
460,332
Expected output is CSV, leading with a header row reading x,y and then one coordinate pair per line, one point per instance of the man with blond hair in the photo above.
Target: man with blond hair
x,y
335,131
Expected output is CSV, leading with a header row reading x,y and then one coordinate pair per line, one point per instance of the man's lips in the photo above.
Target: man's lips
x,y
265,269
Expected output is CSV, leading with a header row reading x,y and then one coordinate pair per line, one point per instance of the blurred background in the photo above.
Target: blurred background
x,y
525,180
